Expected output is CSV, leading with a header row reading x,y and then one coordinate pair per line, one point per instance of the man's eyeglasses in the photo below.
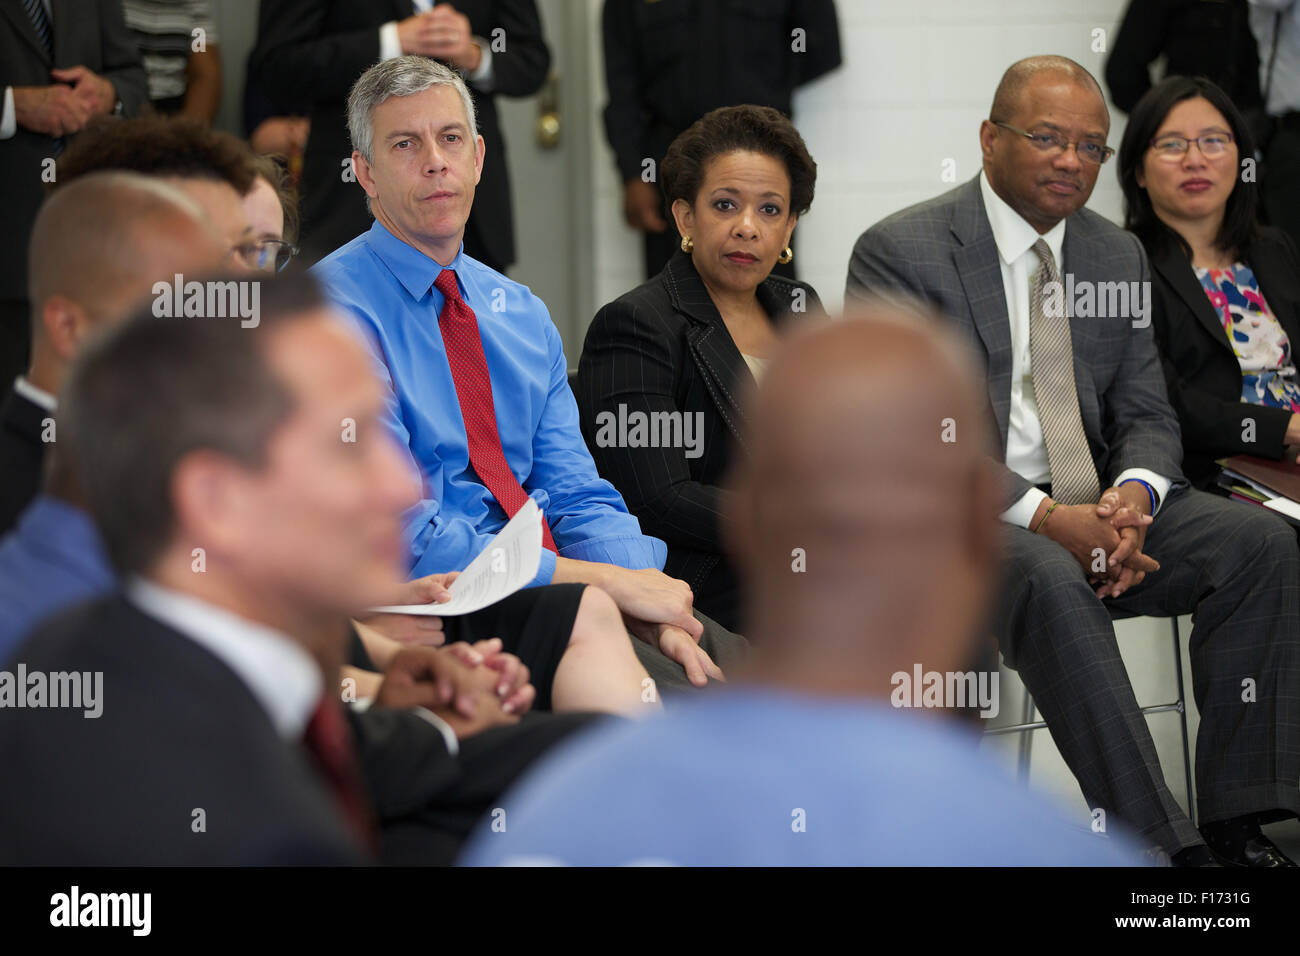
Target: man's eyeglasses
x,y
1173,148
266,255
1050,141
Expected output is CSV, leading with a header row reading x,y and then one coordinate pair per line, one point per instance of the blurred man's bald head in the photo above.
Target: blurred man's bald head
x,y
97,247
868,462
103,241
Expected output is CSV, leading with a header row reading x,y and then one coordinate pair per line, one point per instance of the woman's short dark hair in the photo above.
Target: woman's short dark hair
x,y
1240,223
758,129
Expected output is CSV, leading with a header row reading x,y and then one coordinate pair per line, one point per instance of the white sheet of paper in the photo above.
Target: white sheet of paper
x,y
1284,505
509,561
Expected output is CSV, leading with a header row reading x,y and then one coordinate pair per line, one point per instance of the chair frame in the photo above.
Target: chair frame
x,y
1028,724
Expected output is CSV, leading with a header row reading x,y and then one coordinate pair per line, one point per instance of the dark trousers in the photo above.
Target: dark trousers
x,y
1236,569
723,647
15,339
451,804
1280,184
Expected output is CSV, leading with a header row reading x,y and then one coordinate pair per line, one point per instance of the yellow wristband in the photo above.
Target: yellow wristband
x,y
1047,514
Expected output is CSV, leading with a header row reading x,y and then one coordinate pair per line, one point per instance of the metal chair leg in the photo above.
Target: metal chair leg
x,y
1182,717
1026,739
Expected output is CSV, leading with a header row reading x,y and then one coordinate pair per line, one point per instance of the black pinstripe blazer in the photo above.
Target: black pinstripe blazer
x,y
663,348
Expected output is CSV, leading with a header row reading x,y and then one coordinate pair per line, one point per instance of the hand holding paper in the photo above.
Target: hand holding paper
x,y
509,562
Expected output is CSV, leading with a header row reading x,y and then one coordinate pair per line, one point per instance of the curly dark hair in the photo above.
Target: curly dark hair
x,y
758,129
159,146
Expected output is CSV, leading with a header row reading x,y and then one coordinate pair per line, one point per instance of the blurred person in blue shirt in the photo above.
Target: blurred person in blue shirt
x,y
477,378
816,758
124,231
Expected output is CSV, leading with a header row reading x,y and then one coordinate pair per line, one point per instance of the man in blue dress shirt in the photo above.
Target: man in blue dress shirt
x,y
808,763
477,380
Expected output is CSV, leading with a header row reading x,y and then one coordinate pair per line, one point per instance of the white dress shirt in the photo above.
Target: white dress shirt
x,y
276,669
1026,451
35,395
8,118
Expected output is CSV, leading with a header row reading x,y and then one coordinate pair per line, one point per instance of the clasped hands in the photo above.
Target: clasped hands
x,y
1114,529
65,106
470,686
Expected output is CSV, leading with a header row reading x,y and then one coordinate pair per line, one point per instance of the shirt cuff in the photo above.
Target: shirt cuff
x,y
482,77
1022,512
444,728
9,118
545,569
390,44
1159,484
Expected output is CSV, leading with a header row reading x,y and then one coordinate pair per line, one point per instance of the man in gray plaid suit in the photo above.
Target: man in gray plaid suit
x,y
1054,297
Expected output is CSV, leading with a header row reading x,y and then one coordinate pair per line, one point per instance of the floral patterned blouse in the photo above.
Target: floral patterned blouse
x,y
1268,373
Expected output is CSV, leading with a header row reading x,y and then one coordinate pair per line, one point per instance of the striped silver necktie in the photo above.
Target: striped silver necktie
x,y
1051,355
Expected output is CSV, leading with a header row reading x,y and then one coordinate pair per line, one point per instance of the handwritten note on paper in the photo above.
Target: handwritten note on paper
x,y
509,561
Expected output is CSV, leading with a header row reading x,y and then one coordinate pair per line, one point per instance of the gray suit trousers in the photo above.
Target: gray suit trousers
x,y
724,647
1236,569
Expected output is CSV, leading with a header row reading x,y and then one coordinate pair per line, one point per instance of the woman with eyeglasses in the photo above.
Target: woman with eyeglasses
x,y
272,210
1225,290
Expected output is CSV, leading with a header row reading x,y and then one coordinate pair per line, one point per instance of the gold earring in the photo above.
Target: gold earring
x,y
786,256
688,245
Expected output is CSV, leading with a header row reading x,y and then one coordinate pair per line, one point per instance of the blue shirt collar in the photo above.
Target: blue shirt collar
x,y
413,269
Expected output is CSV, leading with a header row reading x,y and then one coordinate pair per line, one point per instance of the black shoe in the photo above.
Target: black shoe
x,y
1257,851
1199,855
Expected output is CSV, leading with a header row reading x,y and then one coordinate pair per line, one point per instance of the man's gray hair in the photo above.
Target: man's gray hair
x,y
400,76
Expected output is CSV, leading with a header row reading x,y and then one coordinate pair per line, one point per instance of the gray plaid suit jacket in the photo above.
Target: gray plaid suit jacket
x,y
942,251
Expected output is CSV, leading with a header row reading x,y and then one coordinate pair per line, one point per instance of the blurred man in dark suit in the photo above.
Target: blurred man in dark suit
x,y
62,63
312,51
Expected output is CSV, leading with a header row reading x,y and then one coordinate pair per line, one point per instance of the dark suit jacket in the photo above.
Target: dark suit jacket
x,y
312,51
663,347
1196,37
666,66
89,33
22,454
178,731
943,251
1202,371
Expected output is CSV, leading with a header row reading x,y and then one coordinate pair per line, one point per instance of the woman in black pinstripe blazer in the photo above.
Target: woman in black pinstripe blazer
x,y
664,366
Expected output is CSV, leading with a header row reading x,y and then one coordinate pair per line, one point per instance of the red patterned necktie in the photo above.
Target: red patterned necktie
x,y
329,742
469,371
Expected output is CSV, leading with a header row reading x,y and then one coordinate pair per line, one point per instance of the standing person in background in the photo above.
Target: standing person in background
x,y
1277,28
178,45
312,51
61,64
1195,37
669,63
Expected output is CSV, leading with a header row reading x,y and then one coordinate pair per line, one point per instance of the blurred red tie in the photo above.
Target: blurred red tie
x,y
469,371
329,742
